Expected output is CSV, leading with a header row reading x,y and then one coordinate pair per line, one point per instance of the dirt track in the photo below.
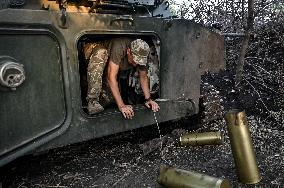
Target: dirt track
x,y
118,161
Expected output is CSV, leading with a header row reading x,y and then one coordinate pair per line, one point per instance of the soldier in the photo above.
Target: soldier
x,y
118,54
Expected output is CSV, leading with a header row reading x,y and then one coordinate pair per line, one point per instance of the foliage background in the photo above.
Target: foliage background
x,y
261,90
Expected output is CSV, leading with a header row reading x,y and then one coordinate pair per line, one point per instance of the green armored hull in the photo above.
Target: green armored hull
x,y
42,78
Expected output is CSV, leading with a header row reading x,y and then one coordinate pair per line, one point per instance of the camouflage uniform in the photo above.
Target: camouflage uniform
x,y
100,95
98,55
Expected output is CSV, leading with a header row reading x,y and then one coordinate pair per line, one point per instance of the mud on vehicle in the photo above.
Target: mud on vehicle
x,y
43,72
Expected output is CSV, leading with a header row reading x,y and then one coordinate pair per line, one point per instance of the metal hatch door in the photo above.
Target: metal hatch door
x,y
34,109
187,50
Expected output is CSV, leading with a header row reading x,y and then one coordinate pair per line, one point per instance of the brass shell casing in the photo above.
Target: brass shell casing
x,y
173,178
242,147
200,139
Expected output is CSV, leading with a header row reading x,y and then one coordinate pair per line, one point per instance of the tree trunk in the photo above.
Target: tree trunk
x,y
245,42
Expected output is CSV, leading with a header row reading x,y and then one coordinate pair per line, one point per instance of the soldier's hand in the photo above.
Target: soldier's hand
x,y
127,111
153,105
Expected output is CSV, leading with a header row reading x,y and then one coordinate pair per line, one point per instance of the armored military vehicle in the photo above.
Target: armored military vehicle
x,y
43,70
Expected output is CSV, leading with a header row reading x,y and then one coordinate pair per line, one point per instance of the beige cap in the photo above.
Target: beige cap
x,y
140,50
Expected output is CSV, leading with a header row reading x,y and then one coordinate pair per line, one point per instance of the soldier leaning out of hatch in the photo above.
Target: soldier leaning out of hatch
x,y
117,54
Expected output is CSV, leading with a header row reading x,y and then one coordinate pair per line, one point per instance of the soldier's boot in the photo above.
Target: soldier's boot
x,y
106,97
96,67
94,107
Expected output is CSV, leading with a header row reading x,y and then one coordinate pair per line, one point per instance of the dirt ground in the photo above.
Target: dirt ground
x,y
124,160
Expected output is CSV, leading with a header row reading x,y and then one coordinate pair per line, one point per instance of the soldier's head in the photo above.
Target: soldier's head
x,y
138,52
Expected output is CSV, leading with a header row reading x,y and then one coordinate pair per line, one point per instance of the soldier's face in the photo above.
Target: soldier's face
x,y
130,58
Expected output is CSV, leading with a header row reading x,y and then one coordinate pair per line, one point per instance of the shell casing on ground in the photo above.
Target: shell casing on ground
x,y
242,147
200,139
173,178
